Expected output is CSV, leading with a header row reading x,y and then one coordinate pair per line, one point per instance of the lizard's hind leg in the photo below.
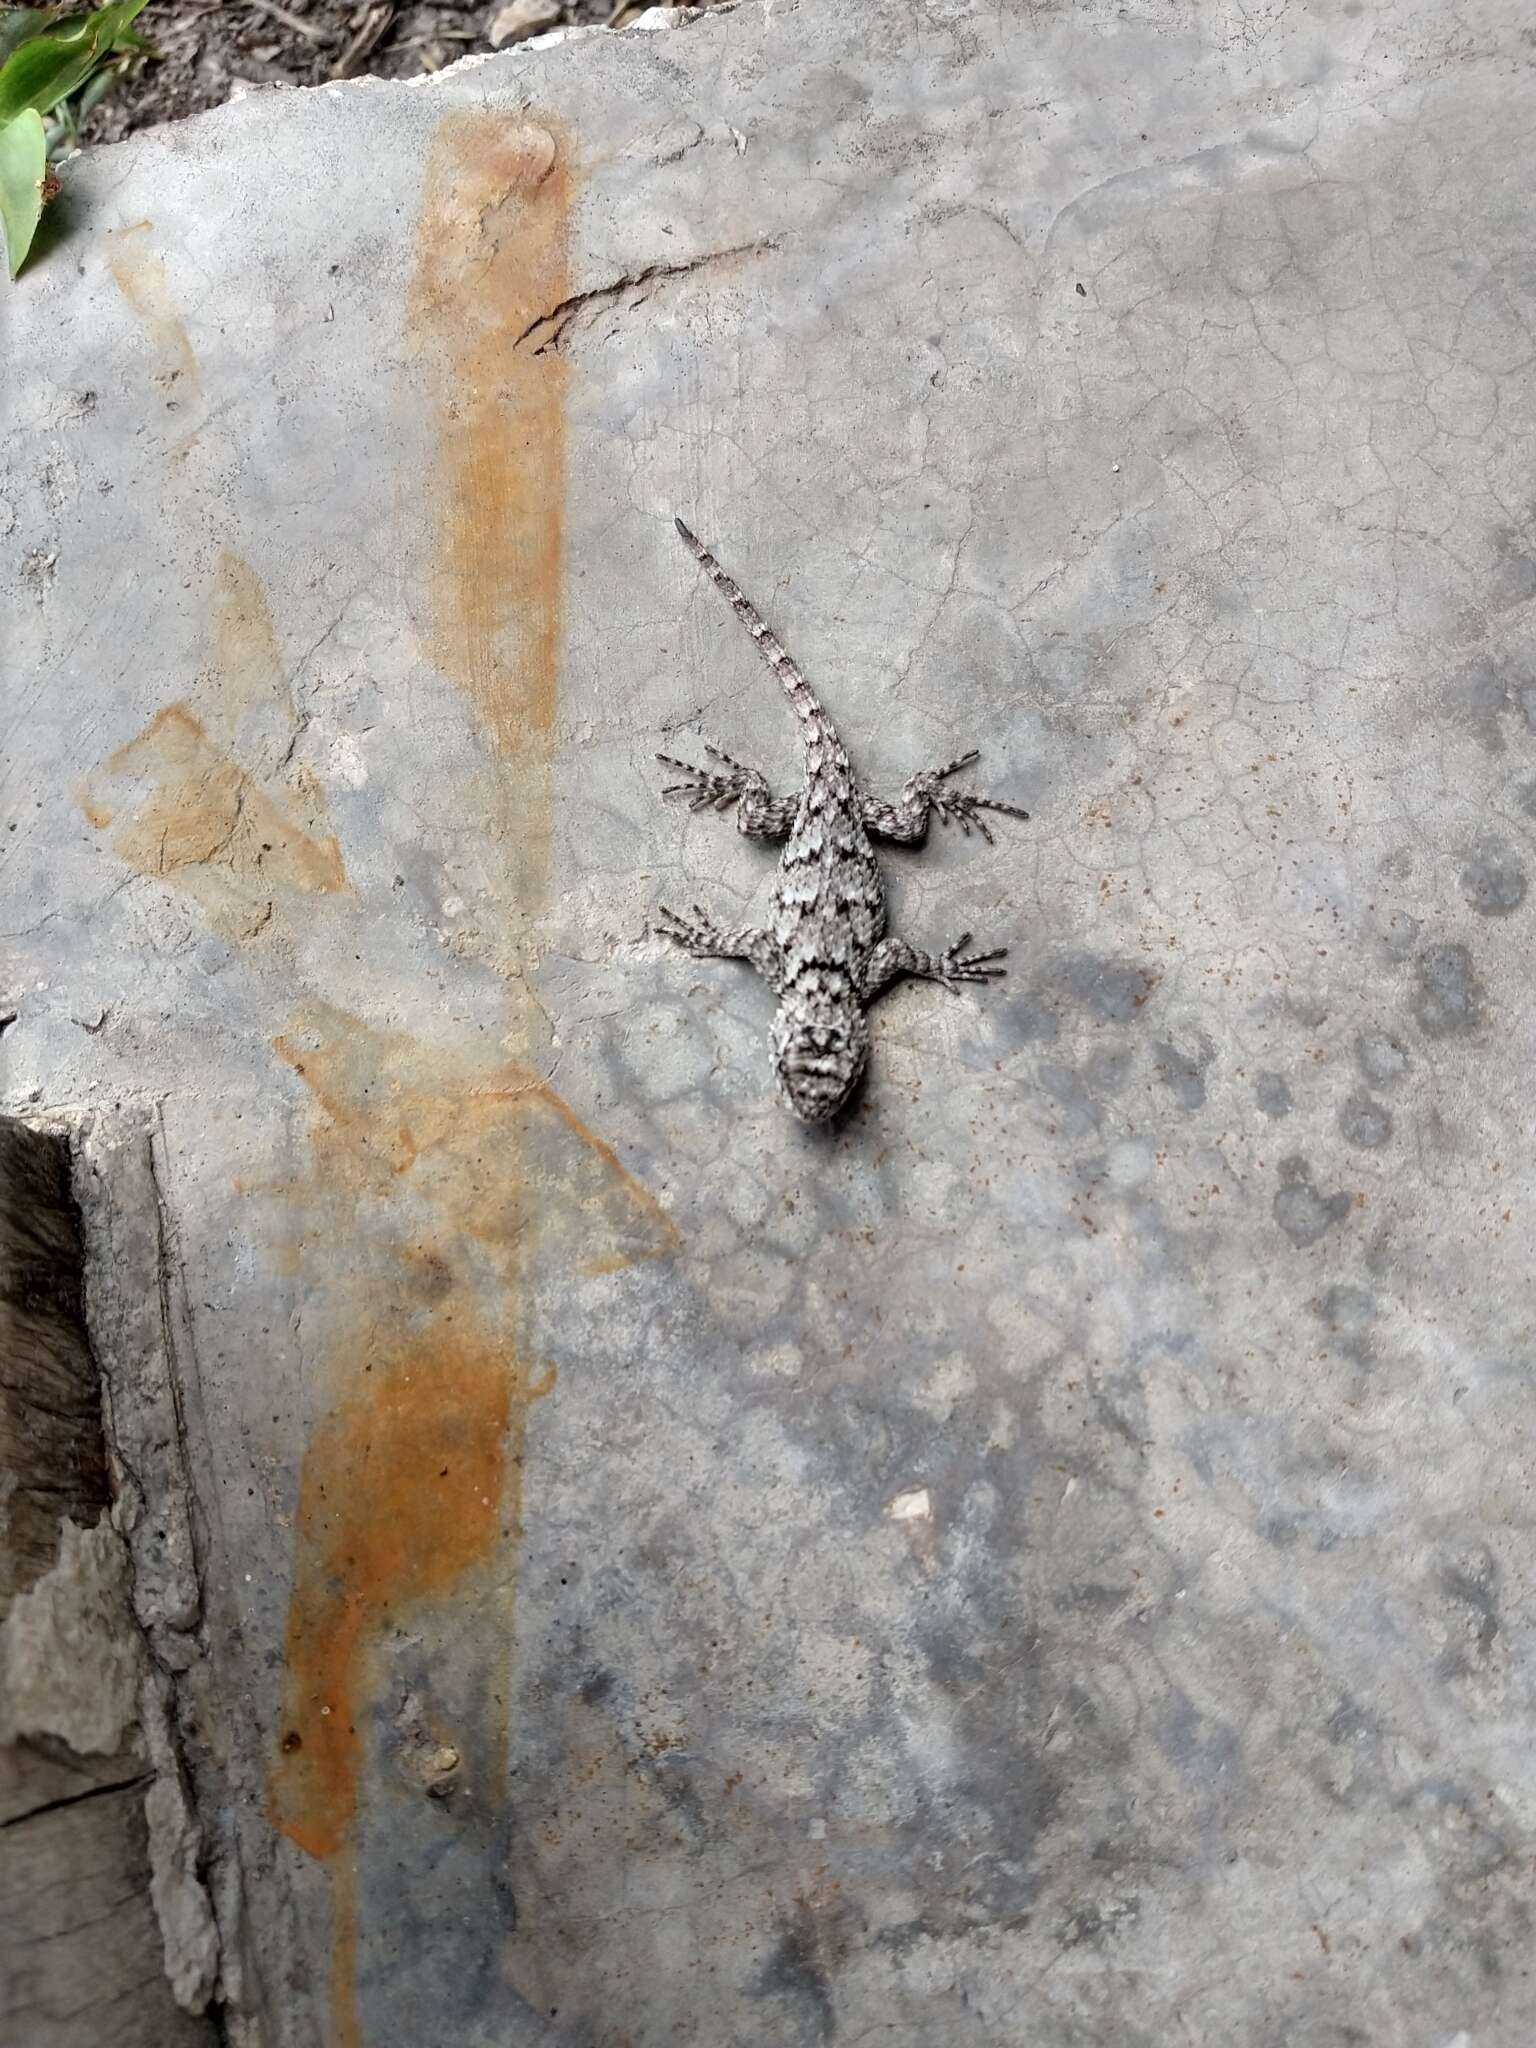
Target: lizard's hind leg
x,y
706,940
758,812
908,817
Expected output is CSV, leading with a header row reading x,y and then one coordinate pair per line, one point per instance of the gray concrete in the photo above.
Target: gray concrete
x,y
1049,1563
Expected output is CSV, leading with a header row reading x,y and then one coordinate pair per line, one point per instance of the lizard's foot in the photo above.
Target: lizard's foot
x,y
960,804
894,957
707,788
706,940
967,809
955,965
731,783
700,935
925,796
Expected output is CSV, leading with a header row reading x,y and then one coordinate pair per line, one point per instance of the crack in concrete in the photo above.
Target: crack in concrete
x,y
546,334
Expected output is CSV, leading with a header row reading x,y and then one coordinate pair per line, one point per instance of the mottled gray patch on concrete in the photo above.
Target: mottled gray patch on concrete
x,y
1514,578
1114,990
1364,1121
1348,1313
1383,1060
1067,1087
1479,699
1098,1921
1473,1585
1109,1069
795,1977
1182,1073
1493,879
1272,1095
1397,934
1448,1003
1301,1211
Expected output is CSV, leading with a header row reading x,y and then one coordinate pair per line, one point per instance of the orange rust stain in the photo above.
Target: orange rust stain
x,y
244,694
404,1489
492,259
206,795
405,1486
490,1158
464,1164
204,825
141,277
666,1235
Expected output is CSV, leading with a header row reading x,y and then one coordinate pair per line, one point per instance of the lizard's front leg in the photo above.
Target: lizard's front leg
x,y
706,940
908,817
894,957
758,812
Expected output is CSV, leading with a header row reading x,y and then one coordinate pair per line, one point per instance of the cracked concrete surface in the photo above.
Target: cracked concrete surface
x,y
1050,1562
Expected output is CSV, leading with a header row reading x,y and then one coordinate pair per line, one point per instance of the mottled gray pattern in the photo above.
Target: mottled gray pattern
x,y
824,951
1051,1565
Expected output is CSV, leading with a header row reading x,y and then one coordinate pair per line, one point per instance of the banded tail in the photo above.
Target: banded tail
x,y
796,688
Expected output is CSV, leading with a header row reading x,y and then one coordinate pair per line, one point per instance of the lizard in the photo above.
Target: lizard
x,y
825,953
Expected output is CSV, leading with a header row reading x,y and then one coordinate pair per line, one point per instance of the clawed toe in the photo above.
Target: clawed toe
x,y
697,934
706,789
962,810
967,810
959,965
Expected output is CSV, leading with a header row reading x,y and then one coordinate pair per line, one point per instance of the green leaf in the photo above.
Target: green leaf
x,y
18,23
23,166
49,67
47,70
110,24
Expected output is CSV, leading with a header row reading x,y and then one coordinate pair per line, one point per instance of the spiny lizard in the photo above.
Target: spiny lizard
x,y
825,954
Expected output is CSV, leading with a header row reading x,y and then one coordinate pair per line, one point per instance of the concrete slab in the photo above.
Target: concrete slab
x,y
1051,1561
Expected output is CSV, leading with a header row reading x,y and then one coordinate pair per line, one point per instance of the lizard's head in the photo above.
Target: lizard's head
x,y
818,1058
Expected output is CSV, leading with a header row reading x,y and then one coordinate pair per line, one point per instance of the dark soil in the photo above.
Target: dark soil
x,y
209,48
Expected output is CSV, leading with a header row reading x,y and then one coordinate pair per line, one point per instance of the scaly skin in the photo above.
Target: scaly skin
x,y
825,953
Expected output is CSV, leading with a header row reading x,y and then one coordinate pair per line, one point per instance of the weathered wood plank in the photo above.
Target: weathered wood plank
x,y
52,1458
82,1962
80,1954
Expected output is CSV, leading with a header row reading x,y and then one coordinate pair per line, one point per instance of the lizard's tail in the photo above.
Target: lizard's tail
x,y
796,688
